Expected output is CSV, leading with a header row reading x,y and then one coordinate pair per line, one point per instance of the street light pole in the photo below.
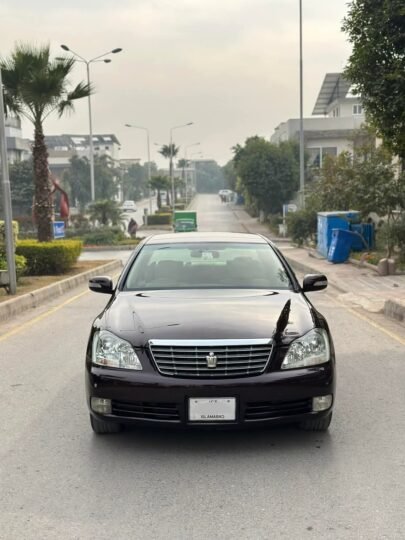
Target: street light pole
x,y
8,215
302,164
171,160
149,163
91,144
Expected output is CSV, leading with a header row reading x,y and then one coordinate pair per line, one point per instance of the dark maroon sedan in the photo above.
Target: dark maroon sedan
x,y
209,329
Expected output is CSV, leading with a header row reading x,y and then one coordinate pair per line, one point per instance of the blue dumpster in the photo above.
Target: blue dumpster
x,y
340,247
327,221
365,239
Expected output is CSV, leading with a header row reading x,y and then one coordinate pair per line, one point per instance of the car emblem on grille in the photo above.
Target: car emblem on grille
x,y
211,360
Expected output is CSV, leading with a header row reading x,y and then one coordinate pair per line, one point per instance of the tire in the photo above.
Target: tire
x,y
316,424
100,427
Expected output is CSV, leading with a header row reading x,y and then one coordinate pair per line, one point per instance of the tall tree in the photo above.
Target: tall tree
x,y
22,186
169,151
376,29
35,87
268,173
158,183
77,180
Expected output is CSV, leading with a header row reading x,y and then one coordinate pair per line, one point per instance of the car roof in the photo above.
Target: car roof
x,y
195,237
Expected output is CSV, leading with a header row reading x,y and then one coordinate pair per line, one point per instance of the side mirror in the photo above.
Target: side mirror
x,y
101,284
314,282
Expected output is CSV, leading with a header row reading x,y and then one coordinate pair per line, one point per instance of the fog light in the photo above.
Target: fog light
x,y
321,403
101,405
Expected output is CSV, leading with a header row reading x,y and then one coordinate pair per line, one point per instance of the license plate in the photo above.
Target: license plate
x,y
211,409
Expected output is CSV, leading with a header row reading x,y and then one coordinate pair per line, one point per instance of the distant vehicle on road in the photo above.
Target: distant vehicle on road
x,y
185,221
128,206
225,195
209,329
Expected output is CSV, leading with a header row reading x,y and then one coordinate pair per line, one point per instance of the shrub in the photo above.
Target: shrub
x,y
104,236
3,235
302,225
160,219
20,265
49,258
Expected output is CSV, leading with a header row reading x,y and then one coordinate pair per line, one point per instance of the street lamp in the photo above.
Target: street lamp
x,y
149,164
302,165
171,159
99,58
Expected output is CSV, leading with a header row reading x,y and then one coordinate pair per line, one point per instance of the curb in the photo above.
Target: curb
x,y
306,269
395,310
15,306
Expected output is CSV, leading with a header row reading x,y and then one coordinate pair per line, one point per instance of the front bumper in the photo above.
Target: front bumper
x,y
270,398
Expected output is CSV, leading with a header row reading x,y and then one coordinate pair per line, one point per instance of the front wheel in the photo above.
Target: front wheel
x,y
100,427
316,424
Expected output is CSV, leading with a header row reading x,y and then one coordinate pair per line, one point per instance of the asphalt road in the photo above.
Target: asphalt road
x,y
60,481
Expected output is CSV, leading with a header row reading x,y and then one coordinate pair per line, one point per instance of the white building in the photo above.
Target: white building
x,y
18,148
61,148
336,116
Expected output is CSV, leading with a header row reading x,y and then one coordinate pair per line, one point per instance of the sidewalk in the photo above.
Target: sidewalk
x,y
358,286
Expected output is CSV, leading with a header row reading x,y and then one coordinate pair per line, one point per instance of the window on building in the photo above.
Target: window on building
x,y
107,147
357,109
328,151
314,157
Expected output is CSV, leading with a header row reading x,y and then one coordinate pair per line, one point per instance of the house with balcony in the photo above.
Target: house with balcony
x,y
336,117
61,148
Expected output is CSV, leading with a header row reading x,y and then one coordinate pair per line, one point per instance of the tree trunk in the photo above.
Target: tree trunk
x,y
43,210
159,199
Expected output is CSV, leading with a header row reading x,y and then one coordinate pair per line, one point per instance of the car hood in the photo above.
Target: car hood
x,y
206,314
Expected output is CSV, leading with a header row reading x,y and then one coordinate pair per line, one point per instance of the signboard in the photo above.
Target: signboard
x,y
58,229
289,208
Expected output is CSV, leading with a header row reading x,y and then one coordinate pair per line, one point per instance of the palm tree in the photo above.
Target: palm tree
x,y
158,183
106,211
34,87
169,151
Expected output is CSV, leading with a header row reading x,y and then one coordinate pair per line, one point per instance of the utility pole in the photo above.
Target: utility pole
x,y
302,164
8,216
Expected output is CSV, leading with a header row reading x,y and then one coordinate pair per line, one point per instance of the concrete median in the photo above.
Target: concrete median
x,y
15,306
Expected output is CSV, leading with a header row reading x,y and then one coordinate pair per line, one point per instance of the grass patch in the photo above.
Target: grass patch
x,y
28,284
373,257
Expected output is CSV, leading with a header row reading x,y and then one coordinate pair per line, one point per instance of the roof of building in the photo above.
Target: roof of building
x,y
334,86
72,140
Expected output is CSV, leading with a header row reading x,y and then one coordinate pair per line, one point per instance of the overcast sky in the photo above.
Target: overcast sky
x,y
229,66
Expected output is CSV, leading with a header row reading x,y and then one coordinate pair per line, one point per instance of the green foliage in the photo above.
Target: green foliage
x,y
167,148
160,219
49,258
20,264
34,87
268,173
230,175
134,181
3,235
376,30
301,225
105,236
22,186
209,177
105,211
158,183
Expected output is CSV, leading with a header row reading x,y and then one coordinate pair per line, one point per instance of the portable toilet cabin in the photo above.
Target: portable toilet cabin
x,y
333,220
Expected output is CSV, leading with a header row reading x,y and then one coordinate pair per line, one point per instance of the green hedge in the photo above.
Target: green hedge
x,y
20,265
49,258
3,234
160,219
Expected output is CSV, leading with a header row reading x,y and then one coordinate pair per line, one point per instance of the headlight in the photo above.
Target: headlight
x,y
309,350
112,351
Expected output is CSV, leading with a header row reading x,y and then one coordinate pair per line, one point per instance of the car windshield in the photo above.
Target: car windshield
x,y
207,266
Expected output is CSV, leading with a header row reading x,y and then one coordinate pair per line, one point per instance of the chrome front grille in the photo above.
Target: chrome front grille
x,y
211,358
